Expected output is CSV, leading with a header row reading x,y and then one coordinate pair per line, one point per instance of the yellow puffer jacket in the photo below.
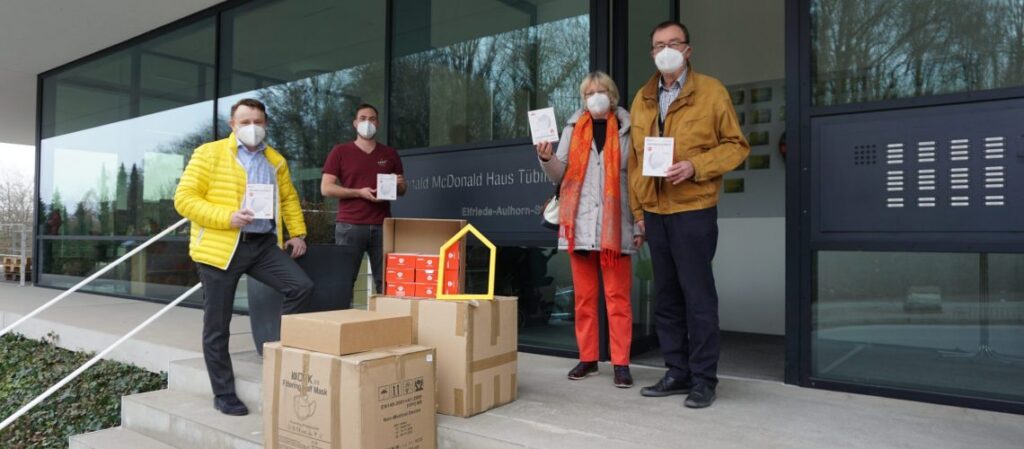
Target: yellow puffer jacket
x,y
211,189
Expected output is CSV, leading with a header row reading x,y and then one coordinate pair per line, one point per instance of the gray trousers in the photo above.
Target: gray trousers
x,y
357,240
260,258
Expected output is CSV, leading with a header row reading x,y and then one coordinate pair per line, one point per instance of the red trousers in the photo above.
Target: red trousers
x,y
618,280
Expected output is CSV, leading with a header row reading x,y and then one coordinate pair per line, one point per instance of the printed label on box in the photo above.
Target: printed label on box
x,y
426,262
423,276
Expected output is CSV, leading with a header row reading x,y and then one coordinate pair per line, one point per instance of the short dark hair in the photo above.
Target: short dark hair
x,y
249,102
669,24
366,106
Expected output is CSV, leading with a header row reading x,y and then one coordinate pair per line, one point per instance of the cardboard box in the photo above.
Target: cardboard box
x,y
402,289
427,262
341,332
426,276
401,260
376,399
476,343
426,290
421,236
400,275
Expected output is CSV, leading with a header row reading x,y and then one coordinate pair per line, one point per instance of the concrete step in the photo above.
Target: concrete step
x,y
186,420
115,438
189,376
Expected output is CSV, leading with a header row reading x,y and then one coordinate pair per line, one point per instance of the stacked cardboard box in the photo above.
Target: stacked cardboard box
x,y
412,267
348,379
476,344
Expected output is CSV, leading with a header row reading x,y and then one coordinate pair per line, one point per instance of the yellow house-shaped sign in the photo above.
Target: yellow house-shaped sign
x,y
490,272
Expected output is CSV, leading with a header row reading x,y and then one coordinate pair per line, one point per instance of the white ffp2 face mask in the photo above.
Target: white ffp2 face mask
x,y
669,60
598,104
251,135
366,129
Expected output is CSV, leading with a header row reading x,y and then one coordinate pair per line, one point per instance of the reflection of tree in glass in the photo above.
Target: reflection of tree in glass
x,y
880,49
307,118
481,89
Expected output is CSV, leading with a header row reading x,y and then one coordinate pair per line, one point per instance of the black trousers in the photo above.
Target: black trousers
x,y
263,260
686,310
356,240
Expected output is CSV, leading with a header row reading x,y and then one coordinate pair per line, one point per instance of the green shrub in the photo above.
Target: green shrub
x,y
89,403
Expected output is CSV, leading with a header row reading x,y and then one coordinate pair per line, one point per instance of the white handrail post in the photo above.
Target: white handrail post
x,y
70,377
95,275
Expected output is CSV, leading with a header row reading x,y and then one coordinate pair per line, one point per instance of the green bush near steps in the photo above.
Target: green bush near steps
x,y
89,403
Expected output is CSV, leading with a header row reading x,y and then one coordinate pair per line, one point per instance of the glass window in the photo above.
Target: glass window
x,y
312,63
943,322
468,71
642,16
117,131
879,49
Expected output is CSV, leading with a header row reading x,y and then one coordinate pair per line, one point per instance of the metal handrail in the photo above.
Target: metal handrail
x,y
95,275
70,377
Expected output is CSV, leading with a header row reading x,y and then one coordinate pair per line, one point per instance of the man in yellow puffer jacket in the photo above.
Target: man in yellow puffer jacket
x,y
237,191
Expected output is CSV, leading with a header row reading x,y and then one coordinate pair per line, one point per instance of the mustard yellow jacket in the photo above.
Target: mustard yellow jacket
x,y
707,133
212,188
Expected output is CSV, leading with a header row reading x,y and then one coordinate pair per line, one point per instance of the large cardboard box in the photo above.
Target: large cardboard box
x,y
476,343
378,399
422,236
340,332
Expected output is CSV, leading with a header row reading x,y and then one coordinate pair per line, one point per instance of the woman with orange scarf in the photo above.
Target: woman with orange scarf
x,y
595,224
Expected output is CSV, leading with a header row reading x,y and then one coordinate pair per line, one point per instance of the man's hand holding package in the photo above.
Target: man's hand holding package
x,y
679,172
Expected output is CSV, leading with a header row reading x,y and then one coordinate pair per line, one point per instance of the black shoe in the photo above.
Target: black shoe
x,y
582,370
622,377
700,396
667,386
230,405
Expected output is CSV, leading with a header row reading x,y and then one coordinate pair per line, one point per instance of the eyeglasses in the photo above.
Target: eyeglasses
x,y
588,94
676,44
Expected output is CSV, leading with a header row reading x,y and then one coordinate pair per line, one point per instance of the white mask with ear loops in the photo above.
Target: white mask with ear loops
x,y
366,129
251,135
598,104
669,60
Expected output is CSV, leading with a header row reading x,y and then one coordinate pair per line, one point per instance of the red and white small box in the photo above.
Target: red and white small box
x,y
399,275
401,261
425,290
425,276
451,258
402,289
426,262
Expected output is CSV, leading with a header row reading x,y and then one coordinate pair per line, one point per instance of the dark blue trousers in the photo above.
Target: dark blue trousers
x,y
686,309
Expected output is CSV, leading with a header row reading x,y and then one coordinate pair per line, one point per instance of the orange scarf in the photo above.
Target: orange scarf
x,y
572,184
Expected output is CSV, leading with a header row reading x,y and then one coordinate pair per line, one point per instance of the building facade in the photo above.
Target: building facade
x,y
874,225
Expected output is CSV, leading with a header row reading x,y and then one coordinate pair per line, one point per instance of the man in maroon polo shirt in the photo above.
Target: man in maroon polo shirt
x,y
350,175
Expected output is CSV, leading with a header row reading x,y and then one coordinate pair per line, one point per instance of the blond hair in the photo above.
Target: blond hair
x,y
603,80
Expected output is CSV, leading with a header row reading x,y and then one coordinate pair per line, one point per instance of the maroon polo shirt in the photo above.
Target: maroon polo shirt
x,y
356,169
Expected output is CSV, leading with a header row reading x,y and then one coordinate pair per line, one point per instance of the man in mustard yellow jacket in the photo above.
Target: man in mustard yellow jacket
x,y
676,210
237,192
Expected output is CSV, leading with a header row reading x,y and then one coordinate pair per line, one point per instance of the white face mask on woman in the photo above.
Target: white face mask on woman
x,y
366,129
669,60
598,104
251,135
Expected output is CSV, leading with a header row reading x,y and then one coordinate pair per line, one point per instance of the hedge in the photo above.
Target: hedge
x,y
91,402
